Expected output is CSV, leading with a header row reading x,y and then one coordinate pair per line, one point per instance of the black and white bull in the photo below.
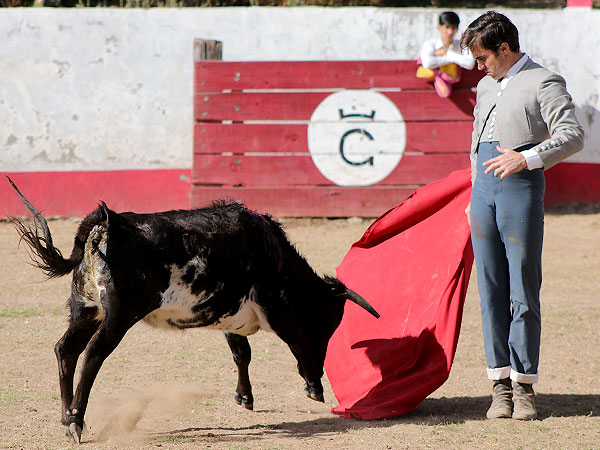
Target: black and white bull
x,y
223,267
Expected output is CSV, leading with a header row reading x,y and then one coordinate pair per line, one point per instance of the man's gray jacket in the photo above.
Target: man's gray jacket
x,y
534,108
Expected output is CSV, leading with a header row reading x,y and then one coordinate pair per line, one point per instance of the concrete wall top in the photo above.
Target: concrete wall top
x,y
110,89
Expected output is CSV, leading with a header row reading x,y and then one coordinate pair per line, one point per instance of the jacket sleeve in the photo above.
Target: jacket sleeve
x,y
558,113
428,58
464,60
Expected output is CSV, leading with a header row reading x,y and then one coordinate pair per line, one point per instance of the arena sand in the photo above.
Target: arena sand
x,y
174,390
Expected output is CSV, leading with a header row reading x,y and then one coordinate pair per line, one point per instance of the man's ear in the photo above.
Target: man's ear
x,y
504,49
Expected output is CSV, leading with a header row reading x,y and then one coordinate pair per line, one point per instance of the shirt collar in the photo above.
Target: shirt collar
x,y
515,69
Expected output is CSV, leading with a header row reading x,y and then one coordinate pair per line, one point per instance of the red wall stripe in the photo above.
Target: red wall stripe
x,y
572,183
580,3
67,194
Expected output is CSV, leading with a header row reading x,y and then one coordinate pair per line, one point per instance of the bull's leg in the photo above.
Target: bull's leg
x,y
240,349
99,348
82,327
310,367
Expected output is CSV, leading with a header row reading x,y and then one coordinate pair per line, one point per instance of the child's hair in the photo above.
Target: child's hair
x,y
449,18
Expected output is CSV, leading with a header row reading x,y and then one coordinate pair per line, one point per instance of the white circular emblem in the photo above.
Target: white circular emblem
x,y
356,137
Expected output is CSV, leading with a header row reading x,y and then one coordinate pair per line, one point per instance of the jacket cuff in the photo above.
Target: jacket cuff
x,y
533,159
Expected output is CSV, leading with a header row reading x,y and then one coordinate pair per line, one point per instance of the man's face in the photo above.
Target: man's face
x,y
447,33
494,64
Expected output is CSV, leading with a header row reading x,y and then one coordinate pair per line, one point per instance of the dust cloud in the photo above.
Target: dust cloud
x,y
120,419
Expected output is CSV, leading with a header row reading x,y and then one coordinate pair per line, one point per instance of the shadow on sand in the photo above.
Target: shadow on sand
x,y
432,412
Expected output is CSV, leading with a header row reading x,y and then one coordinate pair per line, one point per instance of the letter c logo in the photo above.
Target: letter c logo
x,y
354,148
348,133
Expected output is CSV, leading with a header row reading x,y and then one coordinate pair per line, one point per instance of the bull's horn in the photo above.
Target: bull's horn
x,y
351,295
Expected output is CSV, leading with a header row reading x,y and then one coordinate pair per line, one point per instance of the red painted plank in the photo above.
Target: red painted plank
x,y
67,194
239,138
439,137
236,106
241,170
215,76
242,138
309,202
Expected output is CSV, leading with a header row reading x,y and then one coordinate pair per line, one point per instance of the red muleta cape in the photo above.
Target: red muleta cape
x,y
413,266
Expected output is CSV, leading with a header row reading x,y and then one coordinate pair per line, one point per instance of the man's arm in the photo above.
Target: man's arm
x,y
464,60
475,137
566,135
558,113
429,60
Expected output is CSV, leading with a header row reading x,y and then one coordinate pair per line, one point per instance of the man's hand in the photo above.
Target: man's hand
x,y
506,163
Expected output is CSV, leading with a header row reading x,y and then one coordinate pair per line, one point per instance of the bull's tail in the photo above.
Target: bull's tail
x,y
37,236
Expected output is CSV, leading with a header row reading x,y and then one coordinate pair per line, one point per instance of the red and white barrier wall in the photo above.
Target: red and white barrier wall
x,y
316,138
98,104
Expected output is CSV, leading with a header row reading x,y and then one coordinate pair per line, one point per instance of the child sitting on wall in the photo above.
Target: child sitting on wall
x,y
441,59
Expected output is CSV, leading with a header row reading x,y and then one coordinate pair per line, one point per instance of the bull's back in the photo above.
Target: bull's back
x,y
215,259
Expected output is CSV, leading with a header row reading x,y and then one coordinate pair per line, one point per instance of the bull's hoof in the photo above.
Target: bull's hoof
x,y
73,431
245,401
313,394
316,397
73,425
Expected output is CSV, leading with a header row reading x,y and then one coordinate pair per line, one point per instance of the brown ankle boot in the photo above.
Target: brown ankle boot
x,y
524,404
502,403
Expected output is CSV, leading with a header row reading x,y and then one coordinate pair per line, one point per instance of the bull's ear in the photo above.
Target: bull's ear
x,y
104,213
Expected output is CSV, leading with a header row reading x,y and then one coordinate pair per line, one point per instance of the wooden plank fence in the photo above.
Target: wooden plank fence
x,y
324,138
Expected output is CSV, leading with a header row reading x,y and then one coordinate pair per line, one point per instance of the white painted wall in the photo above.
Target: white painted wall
x,y
109,89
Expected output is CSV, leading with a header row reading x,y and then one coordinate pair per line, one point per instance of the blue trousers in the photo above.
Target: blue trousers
x,y
507,229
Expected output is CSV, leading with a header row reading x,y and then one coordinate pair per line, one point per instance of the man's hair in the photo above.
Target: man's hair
x,y
489,31
449,18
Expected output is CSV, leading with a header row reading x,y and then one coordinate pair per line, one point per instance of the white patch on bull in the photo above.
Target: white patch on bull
x,y
248,320
178,300
178,303
179,296
94,271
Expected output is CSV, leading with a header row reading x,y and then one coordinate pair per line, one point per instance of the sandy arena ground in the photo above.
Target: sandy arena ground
x,y
174,390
